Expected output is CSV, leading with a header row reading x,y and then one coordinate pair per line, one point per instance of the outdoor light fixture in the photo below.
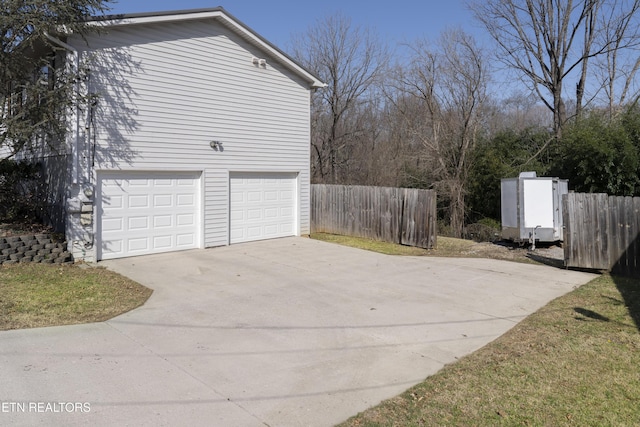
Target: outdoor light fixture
x,y
259,62
216,145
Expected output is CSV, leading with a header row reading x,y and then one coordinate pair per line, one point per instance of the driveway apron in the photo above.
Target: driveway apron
x,y
286,332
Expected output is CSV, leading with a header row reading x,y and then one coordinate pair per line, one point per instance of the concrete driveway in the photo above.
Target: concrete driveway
x,y
288,332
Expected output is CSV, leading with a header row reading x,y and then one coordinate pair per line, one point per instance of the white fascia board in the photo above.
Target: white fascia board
x,y
315,83
152,19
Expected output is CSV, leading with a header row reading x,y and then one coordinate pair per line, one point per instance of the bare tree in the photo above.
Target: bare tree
x,y
351,60
547,40
616,71
439,99
516,112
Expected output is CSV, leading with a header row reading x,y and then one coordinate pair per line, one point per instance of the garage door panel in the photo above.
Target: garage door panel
x,y
140,244
114,202
271,196
162,201
160,221
254,214
254,197
271,230
162,242
142,214
237,235
135,202
254,232
187,220
185,240
139,223
113,246
237,216
112,224
236,197
137,183
186,200
262,206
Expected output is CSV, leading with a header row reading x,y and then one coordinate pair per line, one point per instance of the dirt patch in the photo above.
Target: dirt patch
x,y
546,254
451,247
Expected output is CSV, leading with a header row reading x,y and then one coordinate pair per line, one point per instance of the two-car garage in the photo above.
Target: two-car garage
x,y
142,213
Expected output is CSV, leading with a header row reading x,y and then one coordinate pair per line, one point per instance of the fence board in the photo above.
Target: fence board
x,y
586,222
602,232
418,213
397,215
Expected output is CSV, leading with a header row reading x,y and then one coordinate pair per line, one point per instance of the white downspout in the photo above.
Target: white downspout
x,y
76,119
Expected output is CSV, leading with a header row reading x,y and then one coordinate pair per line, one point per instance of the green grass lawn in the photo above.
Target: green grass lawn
x,y
35,295
575,362
446,246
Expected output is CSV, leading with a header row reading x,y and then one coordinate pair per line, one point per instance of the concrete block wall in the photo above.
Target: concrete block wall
x,y
38,248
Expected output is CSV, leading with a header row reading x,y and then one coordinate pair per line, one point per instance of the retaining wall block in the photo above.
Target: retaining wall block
x,y
39,248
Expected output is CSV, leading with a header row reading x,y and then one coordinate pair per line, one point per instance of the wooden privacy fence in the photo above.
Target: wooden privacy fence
x,y
398,215
602,232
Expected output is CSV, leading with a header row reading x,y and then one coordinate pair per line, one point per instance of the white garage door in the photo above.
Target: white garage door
x,y
263,206
143,213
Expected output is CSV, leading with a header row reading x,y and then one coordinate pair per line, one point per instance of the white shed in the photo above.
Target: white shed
x,y
531,208
196,135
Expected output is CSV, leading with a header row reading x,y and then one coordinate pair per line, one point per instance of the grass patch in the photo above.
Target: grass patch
x,y
447,246
37,295
574,362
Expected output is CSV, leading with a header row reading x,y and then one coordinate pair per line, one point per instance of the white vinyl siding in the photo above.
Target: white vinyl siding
x,y
167,90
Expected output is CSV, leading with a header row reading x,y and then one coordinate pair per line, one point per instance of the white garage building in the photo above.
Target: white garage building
x,y
195,134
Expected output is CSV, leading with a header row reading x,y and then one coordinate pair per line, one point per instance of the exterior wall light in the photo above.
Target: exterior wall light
x,y
259,62
216,145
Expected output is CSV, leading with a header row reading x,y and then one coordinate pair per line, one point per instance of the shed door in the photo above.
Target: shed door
x,y
147,212
538,203
263,205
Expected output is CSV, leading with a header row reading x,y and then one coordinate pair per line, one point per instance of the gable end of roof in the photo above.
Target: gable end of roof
x,y
220,14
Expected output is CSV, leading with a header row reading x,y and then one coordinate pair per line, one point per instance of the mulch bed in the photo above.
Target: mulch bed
x,y
19,229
